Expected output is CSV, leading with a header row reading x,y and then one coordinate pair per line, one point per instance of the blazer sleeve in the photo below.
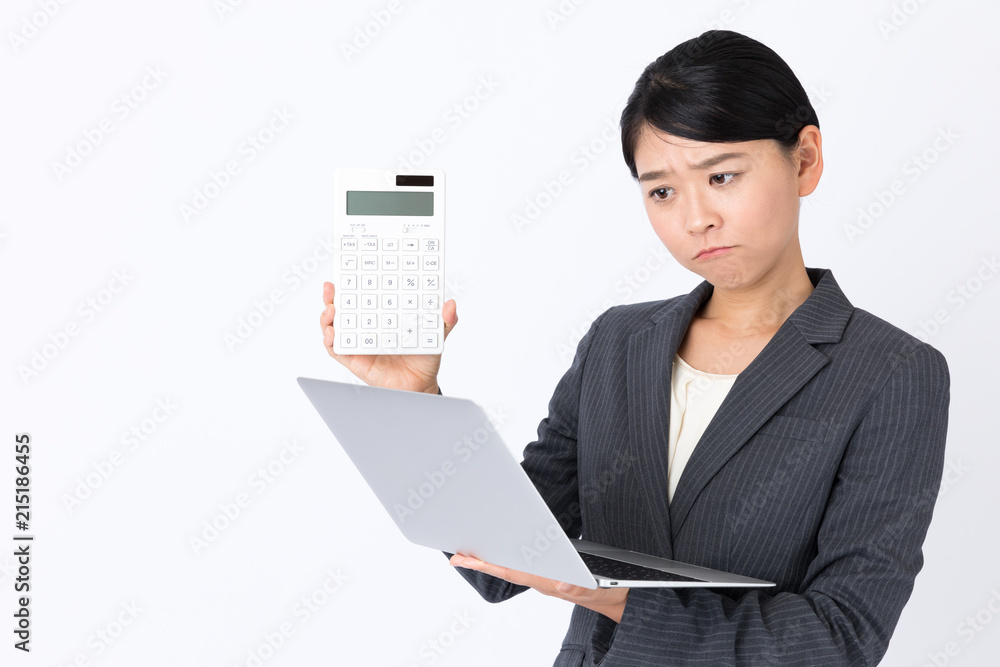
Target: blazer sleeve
x,y
868,554
550,463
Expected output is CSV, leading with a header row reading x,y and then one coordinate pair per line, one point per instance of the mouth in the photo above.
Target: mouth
x,y
714,251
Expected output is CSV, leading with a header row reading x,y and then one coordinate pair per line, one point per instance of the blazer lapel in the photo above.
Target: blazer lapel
x,y
650,361
785,364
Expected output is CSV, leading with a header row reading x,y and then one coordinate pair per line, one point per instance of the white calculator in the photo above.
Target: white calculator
x,y
389,275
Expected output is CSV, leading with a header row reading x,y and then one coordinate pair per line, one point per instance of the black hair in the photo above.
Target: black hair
x,y
719,87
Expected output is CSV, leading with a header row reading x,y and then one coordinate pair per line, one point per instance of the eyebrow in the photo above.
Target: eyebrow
x,y
707,163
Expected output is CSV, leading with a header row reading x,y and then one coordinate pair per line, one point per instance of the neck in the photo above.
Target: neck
x,y
762,307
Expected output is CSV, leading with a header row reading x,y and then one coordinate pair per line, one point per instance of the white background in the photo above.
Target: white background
x,y
557,83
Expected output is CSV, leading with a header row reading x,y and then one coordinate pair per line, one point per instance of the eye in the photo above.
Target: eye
x,y
659,194
727,182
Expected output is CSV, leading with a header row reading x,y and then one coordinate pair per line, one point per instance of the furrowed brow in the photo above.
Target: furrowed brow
x,y
707,163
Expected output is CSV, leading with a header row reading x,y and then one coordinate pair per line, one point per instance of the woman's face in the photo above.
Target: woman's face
x,y
728,212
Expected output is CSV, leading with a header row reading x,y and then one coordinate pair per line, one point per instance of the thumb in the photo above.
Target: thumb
x,y
449,315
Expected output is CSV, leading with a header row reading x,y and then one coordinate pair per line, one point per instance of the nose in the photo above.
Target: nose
x,y
700,215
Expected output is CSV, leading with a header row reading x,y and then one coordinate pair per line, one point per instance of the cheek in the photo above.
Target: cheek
x,y
774,212
669,233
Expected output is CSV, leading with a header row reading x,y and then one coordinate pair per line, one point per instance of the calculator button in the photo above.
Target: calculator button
x,y
430,262
410,245
349,281
369,244
410,263
348,320
390,341
410,282
369,281
389,321
410,332
368,340
390,302
429,321
428,339
348,340
390,244
390,263
430,282
348,301
349,245
410,302
369,262
369,301
390,282
349,262
430,245
430,301
369,321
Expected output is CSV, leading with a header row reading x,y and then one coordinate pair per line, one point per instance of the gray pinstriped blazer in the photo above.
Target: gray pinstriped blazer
x,y
818,472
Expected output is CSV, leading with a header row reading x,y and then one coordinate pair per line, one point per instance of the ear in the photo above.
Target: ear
x,y
810,156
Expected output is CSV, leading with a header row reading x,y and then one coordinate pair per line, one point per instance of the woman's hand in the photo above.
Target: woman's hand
x,y
413,372
607,601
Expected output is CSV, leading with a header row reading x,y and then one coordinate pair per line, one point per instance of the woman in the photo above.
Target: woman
x,y
760,424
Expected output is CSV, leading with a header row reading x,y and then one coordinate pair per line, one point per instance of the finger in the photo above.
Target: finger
x,y
449,314
464,561
569,589
327,316
328,336
470,562
346,360
504,573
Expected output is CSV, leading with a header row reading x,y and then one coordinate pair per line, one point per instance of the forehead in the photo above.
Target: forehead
x,y
660,151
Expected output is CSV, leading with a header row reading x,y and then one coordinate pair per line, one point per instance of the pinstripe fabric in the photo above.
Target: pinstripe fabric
x,y
819,472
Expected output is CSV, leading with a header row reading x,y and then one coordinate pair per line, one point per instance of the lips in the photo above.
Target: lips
x,y
714,251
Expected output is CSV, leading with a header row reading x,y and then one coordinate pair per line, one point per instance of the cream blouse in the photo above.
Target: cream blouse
x,y
695,396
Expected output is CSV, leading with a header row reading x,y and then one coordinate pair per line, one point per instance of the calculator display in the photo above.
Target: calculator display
x,y
369,202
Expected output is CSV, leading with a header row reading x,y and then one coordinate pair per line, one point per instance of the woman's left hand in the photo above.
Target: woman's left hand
x,y
607,601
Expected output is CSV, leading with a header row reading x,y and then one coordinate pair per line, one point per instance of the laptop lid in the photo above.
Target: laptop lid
x,y
441,471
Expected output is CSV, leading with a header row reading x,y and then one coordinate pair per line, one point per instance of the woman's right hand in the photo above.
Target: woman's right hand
x,y
413,372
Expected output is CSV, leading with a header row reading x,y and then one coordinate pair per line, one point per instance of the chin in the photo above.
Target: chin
x,y
724,277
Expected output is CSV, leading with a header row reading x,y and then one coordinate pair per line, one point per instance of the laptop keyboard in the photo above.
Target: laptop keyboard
x,y
611,568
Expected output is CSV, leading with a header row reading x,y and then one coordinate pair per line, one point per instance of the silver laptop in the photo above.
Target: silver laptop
x,y
450,483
